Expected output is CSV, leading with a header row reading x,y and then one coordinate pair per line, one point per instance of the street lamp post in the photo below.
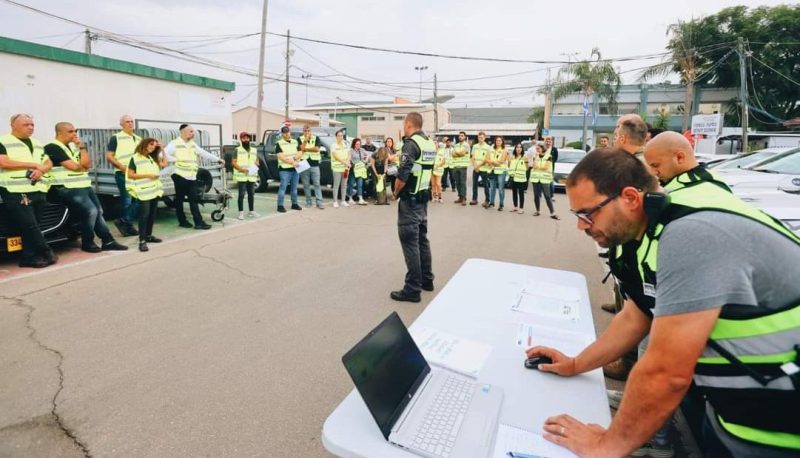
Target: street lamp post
x,y
306,76
420,69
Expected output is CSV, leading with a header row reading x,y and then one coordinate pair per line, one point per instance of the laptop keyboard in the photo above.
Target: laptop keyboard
x,y
437,433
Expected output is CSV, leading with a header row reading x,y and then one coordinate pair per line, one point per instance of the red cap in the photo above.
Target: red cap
x,y
244,134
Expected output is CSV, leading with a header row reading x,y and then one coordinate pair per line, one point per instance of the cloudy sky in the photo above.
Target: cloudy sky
x,y
508,29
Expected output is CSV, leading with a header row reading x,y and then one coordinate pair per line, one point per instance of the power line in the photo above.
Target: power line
x,y
776,71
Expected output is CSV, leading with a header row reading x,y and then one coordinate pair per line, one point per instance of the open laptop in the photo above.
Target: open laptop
x,y
433,413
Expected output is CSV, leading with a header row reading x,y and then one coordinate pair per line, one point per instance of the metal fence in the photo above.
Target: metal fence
x,y
102,172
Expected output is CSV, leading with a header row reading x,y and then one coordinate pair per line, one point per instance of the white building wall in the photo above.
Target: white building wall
x,y
93,98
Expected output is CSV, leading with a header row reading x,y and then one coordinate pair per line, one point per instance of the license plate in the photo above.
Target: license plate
x,y
14,244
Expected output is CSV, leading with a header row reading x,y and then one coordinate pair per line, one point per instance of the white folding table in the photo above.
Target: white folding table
x,y
476,304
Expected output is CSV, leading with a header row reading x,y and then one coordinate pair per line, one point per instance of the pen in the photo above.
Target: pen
x,y
521,455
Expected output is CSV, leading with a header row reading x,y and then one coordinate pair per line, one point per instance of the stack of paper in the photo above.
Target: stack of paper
x,y
567,342
511,439
548,300
453,352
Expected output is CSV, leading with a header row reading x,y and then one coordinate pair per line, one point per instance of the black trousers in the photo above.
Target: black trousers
x,y
147,215
26,219
186,190
518,193
249,187
485,179
412,227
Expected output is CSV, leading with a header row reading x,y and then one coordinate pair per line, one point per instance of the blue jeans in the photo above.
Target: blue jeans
x,y
497,183
86,205
358,184
129,207
288,176
308,177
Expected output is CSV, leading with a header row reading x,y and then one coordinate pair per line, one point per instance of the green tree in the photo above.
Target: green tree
x,y
537,116
772,58
684,59
589,77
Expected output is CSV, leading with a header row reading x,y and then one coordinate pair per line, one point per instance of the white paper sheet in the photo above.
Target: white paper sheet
x,y
302,166
453,352
511,439
252,170
548,300
567,342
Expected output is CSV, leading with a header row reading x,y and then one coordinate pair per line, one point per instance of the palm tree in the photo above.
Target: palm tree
x,y
589,77
682,59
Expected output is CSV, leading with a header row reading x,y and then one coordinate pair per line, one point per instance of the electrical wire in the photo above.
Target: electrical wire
x,y
776,71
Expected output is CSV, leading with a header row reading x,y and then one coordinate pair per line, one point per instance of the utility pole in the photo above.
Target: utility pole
x,y
88,41
743,93
306,76
288,56
420,69
261,57
435,104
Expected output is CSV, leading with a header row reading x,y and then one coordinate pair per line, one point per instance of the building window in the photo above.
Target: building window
x,y
373,118
399,118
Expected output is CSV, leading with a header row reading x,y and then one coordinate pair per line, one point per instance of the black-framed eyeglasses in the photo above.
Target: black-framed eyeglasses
x,y
586,216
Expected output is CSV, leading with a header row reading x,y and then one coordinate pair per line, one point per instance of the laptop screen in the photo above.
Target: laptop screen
x,y
387,369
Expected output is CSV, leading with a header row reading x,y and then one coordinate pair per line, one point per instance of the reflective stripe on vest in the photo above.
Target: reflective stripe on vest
x,y
519,169
740,371
245,159
60,176
16,150
126,146
314,156
542,172
339,157
463,161
479,153
496,156
145,188
420,179
186,160
288,148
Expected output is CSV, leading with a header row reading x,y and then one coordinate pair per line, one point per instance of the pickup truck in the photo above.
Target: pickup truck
x,y
57,225
268,158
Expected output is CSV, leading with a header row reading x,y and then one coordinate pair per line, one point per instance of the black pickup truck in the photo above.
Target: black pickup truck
x,y
57,225
268,159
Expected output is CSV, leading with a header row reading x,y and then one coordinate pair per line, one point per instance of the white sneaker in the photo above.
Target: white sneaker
x,y
345,203
253,215
361,201
335,204
241,216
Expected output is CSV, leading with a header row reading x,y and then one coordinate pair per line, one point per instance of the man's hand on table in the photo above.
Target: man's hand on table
x,y
562,364
583,440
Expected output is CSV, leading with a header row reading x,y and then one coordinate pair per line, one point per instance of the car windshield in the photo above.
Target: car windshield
x,y
744,161
570,157
786,163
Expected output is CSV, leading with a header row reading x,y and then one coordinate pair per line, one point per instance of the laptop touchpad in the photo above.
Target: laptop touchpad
x,y
476,428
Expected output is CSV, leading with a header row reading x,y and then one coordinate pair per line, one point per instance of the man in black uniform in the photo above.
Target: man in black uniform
x,y
412,189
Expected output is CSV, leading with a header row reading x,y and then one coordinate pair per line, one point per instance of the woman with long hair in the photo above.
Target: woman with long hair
x,y
391,164
519,178
379,162
498,159
359,156
541,177
340,165
143,181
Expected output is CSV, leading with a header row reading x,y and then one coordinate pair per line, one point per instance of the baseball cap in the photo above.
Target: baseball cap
x,y
284,129
244,134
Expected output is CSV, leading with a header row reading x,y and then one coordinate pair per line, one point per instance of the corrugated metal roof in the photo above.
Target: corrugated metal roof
x,y
65,56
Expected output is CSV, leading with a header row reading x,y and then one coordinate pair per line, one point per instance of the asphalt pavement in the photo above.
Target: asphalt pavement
x,y
228,342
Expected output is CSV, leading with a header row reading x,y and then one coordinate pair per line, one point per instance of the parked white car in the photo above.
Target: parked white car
x,y
741,161
567,159
783,203
767,175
